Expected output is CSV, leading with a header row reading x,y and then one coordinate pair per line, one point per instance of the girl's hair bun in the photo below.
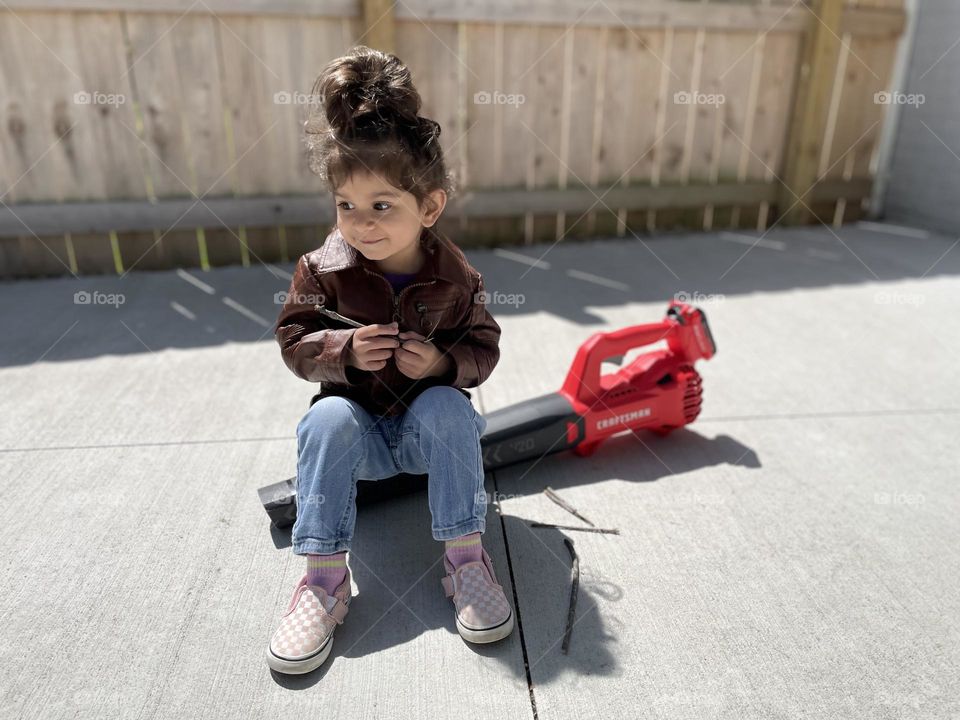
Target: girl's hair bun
x,y
366,88
365,115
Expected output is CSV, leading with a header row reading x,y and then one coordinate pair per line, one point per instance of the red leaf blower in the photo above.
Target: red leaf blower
x,y
659,391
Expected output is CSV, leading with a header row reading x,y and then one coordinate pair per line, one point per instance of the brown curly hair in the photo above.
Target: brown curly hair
x,y
364,117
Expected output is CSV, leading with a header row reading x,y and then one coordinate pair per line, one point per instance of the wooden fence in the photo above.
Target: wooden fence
x,y
143,138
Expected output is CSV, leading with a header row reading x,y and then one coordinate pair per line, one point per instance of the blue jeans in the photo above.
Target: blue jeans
x,y
339,442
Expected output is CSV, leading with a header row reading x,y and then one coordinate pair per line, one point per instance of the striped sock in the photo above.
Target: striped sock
x,y
327,571
464,549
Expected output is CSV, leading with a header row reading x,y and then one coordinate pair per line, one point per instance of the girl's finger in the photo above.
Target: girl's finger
x,y
402,354
408,364
416,348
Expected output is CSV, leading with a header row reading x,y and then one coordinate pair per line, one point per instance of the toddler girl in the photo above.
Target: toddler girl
x,y
388,315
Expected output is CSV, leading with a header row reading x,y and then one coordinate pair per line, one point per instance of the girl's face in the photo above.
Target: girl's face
x,y
383,222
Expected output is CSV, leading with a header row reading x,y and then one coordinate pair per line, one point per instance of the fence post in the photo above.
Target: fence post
x,y
378,25
821,44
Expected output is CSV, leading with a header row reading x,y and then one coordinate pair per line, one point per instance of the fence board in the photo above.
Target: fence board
x,y
876,17
778,76
516,149
483,74
644,123
600,107
545,132
93,253
114,168
32,256
729,68
143,250
301,239
436,69
479,136
683,57
580,140
178,89
44,157
850,143
262,57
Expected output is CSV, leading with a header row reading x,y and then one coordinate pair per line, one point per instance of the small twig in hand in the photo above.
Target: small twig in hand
x,y
610,531
337,316
551,493
573,594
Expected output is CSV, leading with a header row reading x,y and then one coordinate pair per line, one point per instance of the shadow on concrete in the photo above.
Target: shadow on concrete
x,y
641,456
397,567
192,308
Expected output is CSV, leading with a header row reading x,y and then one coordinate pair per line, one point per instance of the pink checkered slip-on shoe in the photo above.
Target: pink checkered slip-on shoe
x,y
483,613
305,636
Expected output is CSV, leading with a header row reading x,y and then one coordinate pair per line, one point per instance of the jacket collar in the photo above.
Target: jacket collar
x,y
443,258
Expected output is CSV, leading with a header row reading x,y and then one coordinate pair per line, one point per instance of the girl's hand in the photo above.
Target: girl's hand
x,y
417,359
372,345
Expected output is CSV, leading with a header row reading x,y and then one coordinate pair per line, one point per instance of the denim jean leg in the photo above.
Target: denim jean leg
x,y
337,444
440,435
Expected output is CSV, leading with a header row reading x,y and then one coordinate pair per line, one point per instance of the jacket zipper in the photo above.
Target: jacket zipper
x,y
396,296
421,307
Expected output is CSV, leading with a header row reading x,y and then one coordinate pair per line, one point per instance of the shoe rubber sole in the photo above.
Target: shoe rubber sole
x,y
303,665
487,635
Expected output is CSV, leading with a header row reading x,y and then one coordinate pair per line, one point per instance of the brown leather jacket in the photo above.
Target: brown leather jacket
x,y
442,301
